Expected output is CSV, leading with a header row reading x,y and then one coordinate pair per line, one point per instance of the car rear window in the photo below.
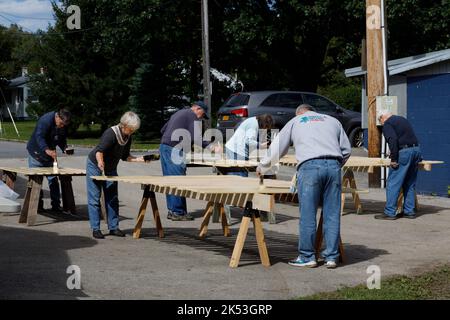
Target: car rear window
x,y
320,104
284,100
237,100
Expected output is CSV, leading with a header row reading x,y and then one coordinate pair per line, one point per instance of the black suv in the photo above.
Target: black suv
x,y
282,105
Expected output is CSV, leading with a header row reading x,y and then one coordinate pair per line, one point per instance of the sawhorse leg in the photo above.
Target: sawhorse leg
x,y
401,199
207,215
148,195
319,240
348,180
204,226
30,204
250,214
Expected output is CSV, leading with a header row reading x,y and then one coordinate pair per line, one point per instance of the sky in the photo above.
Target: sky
x,y
31,15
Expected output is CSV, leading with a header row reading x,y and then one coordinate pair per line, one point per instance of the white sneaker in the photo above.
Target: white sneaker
x,y
331,264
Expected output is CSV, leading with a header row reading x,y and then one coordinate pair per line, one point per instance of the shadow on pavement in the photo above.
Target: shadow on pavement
x,y
282,247
377,207
33,264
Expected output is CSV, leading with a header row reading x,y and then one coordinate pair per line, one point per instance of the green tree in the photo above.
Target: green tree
x,y
146,54
17,50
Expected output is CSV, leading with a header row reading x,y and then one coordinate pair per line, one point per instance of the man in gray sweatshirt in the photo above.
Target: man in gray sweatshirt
x,y
321,149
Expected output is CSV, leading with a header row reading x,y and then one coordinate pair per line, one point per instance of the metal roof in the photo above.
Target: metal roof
x,y
406,64
18,81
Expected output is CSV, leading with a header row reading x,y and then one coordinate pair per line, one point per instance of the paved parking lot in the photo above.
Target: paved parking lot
x,y
34,260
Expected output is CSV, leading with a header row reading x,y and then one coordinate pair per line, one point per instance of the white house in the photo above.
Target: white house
x,y
17,95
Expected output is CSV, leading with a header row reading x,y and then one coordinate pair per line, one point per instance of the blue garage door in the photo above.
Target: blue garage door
x,y
429,114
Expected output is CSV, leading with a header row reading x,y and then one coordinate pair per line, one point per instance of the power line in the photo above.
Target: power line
x,y
13,22
29,18
32,33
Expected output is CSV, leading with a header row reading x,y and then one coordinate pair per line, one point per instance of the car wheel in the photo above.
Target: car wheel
x,y
356,137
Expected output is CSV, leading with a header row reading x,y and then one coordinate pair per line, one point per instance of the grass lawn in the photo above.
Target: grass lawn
x,y
431,285
85,137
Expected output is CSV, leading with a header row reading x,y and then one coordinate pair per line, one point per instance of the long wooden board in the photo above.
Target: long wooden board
x,y
45,171
227,190
359,164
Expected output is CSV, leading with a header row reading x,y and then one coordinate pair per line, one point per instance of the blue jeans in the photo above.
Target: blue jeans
x,y
235,156
319,181
110,189
404,177
53,183
173,164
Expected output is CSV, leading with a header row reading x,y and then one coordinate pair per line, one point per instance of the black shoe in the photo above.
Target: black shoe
x,y
385,217
117,233
57,210
179,217
97,234
409,216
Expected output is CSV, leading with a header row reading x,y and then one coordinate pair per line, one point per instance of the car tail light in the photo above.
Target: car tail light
x,y
242,112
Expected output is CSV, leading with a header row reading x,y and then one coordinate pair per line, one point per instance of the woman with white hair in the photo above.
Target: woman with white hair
x,y
114,146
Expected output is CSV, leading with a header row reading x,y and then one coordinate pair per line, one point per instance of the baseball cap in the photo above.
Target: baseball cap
x,y
202,105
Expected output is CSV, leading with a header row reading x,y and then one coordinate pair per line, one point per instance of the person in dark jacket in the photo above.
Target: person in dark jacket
x,y
181,131
50,132
405,157
114,146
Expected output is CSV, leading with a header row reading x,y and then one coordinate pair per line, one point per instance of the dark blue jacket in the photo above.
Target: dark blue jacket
x,y
398,133
46,136
183,119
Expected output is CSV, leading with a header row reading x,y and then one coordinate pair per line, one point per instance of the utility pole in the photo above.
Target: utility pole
x,y
376,80
205,59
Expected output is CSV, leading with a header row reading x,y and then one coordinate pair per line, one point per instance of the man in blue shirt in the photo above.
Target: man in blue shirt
x,y
405,157
50,132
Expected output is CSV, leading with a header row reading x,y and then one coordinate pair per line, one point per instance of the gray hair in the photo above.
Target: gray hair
x,y
303,108
130,120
